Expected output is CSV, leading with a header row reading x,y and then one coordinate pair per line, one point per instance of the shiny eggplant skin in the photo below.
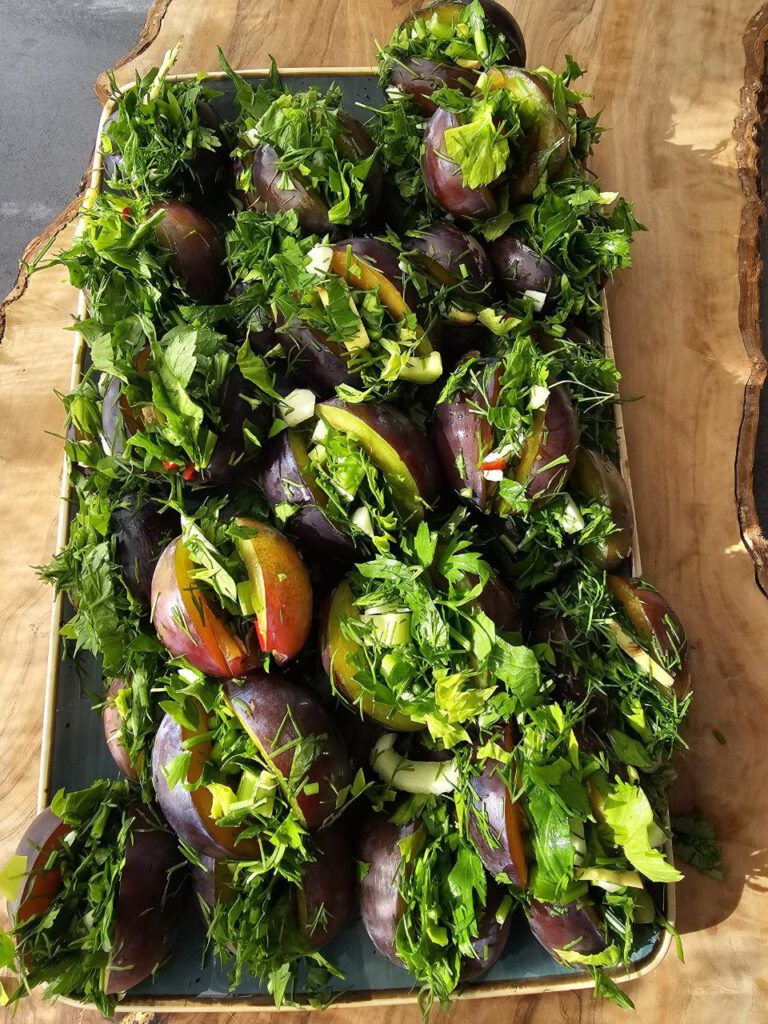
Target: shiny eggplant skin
x,y
454,259
450,256
383,260
570,688
118,421
113,725
460,434
519,269
498,16
188,625
230,461
493,801
463,437
44,834
148,902
381,905
210,167
443,177
599,479
197,252
287,479
419,77
188,812
574,926
555,435
393,442
559,632
276,712
547,136
315,360
266,194
654,620
325,900
141,534
492,937
353,142
144,919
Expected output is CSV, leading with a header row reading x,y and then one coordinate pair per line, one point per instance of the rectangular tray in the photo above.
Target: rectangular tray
x,y
74,753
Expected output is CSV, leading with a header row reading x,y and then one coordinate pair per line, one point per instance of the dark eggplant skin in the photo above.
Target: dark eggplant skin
x,y
284,481
315,360
492,937
326,898
352,141
141,534
419,77
558,632
575,926
44,834
652,616
383,258
519,269
381,905
144,918
209,881
266,195
443,177
492,798
118,423
385,425
197,252
460,433
113,725
275,712
147,907
498,16
229,461
451,256
210,167
188,812
598,478
560,437
547,135
499,604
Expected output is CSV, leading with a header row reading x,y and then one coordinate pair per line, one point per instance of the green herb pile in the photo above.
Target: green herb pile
x,y
499,646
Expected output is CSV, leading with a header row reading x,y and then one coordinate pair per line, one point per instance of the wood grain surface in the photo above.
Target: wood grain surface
x,y
681,96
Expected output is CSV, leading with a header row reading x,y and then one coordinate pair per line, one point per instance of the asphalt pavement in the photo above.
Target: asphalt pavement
x,y
53,51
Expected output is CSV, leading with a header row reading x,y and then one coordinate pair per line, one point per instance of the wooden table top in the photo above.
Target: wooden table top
x,y
670,78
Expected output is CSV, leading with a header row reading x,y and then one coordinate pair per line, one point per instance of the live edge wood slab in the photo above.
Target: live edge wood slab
x,y
680,85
